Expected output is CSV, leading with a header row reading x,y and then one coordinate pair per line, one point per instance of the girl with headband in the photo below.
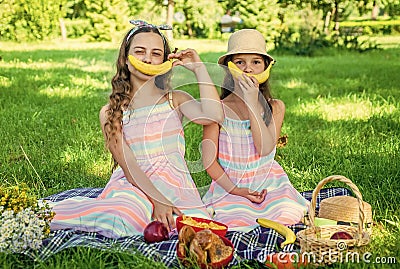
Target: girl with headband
x,y
142,126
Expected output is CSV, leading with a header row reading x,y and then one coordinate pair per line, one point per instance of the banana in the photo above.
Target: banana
x,y
289,235
150,69
261,78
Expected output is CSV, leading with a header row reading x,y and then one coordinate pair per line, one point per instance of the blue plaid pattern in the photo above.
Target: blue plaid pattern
x,y
253,245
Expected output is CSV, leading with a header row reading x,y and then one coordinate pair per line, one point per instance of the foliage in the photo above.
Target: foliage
x,y
23,20
199,22
24,222
301,41
391,7
75,9
77,27
311,42
260,15
376,27
107,18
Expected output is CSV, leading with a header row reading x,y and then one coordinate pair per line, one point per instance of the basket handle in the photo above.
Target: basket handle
x,y
353,187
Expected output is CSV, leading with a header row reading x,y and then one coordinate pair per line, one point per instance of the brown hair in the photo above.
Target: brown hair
x,y
120,96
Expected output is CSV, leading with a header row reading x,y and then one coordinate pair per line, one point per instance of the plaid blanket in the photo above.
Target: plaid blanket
x,y
253,245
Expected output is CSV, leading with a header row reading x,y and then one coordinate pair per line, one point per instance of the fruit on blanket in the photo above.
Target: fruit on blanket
x,y
283,260
289,235
261,78
150,69
341,235
155,231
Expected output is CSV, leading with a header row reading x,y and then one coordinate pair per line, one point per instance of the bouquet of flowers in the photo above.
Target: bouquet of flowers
x,y
24,221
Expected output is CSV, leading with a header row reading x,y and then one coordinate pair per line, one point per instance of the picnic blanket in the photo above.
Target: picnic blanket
x,y
253,245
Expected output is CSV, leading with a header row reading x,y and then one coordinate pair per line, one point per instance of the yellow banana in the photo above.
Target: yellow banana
x,y
289,235
150,69
261,78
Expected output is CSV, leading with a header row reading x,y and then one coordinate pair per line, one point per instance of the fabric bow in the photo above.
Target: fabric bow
x,y
140,23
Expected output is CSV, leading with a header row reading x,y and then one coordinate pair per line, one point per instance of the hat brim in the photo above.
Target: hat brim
x,y
222,58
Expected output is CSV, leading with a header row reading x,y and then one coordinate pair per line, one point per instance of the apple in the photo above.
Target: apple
x,y
341,235
155,231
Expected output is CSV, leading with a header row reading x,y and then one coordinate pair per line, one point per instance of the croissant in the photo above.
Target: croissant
x,y
218,250
198,252
204,246
185,237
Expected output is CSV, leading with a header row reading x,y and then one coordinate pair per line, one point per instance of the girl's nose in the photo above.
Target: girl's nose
x,y
247,69
146,59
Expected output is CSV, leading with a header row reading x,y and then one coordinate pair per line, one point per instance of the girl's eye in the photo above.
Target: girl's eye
x,y
139,52
238,62
158,54
257,62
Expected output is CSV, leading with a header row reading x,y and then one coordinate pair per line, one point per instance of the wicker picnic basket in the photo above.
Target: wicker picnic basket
x,y
315,241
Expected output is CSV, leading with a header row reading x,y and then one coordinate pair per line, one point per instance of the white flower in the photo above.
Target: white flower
x,y
24,229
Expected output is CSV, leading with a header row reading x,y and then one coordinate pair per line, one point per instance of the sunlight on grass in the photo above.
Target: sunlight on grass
x,y
92,66
347,108
294,84
41,64
90,82
63,91
70,44
5,81
200,45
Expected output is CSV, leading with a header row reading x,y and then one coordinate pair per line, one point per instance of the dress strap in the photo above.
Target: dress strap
x,y
169,97
223,108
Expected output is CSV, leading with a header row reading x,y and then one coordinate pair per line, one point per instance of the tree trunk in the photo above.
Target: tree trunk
x,y
336,16
375,11
170,18
189,29
63,29
327,22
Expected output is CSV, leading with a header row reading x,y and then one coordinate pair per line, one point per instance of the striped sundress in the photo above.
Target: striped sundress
x,y
155,135
240,160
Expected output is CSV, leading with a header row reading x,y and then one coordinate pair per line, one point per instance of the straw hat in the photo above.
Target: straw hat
x,y
246,41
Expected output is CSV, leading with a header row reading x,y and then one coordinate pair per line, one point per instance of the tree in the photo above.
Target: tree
x,y
260,15
34,20
392,7
199,21
108,18
336,9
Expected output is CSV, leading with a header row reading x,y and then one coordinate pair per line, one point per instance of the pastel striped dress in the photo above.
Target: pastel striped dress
x,y
240,160
155,135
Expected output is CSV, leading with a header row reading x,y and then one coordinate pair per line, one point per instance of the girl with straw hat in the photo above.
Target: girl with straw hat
x,y
239,153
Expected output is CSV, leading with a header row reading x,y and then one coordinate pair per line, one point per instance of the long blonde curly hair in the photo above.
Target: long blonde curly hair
x,y
121,94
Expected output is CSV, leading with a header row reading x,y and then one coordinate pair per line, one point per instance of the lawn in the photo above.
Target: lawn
x,y
342,117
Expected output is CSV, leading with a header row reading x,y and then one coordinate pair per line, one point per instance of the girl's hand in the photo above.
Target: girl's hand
x,y
164,213
253,196
187,58
250,89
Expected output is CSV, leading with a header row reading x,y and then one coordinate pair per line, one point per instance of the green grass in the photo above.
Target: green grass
x,y
342,117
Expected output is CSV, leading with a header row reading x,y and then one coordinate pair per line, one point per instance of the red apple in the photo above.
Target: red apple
x,y
155,231
341,235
